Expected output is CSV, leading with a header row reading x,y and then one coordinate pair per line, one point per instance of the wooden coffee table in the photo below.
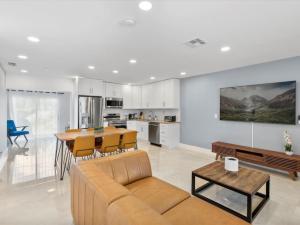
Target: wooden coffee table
x,y
247,182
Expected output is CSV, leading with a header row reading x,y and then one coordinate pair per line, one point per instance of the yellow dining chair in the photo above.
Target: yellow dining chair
x,y
84,147
109,128
110,144
70,144
128,141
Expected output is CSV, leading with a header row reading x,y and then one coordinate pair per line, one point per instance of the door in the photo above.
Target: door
x,y
43,113
96,112
154,133
84,117
90,112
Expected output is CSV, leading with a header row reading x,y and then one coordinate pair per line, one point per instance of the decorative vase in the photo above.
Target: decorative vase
x,y
231,164
289,152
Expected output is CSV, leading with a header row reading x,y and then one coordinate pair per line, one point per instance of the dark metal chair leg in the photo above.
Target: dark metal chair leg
x,y
9,138
26,138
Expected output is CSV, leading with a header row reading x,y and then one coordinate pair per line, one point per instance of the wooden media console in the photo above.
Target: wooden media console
x,y
264,157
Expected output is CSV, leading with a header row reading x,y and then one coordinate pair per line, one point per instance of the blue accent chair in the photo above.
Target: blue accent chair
x,y
12,131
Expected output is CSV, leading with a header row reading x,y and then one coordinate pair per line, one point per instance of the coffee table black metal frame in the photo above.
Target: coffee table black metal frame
x,y
250,214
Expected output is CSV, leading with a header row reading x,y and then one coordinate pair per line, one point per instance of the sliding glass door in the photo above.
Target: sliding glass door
x,y
40,111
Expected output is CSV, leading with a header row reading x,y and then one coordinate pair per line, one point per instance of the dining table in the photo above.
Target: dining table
x,y
64,137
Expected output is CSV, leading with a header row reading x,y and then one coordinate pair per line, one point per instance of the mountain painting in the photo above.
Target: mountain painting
x,y
266,103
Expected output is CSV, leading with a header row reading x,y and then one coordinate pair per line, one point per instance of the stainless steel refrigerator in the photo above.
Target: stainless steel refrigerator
x,y
90,110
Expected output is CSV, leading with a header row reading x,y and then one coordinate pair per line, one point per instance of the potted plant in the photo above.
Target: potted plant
x,y
288,143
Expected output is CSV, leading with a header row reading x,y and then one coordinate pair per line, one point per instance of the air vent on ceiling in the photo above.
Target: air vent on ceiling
x,y
12,64
195,43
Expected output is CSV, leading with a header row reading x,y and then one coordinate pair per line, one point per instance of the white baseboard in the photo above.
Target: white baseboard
x,y
196,149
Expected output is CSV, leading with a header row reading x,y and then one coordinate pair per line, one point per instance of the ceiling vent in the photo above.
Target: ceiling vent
x,y
195,43
12,64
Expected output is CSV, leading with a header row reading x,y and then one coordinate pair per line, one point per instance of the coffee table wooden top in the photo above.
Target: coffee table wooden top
x,y
247,180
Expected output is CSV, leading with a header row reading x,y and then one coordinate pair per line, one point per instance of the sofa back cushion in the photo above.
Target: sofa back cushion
x,y
91,193
127,167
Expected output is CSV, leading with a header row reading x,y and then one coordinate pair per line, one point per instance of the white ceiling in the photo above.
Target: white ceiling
x,y
75,34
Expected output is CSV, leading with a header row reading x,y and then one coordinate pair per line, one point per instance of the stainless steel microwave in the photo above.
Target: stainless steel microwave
x,y
114,103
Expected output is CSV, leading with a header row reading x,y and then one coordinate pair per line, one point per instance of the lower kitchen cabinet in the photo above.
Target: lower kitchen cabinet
x,y
169,134
141,127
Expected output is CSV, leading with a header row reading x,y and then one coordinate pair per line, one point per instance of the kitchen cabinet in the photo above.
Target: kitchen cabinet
x,y
113,90
131,97
91,87
143,130
171,94
169,134
127,96
146,96
141,127
161,95
136,97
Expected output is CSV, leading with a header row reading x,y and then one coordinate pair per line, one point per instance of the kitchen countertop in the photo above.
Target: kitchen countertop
x,y
158,121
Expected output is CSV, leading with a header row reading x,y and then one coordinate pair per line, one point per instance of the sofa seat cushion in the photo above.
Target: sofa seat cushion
x,y
158,194
194,211
130,210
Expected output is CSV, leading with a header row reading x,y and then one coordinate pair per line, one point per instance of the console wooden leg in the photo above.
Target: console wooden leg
x,y
217,156
293,175
296,174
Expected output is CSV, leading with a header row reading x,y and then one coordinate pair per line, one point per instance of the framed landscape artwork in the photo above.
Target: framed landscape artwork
x,y
266,103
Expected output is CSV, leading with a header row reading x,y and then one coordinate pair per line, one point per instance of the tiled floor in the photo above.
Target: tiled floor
x,y
31,194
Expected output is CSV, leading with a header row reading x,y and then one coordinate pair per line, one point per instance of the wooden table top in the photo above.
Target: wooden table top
x,y
248,180
72,135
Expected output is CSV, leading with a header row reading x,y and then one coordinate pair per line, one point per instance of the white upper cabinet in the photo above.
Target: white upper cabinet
x,y
132,97
171,94
161,95
113,90
146,96
136,96
91,87
127,96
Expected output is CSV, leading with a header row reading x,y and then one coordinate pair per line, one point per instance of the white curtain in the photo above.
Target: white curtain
x,y
38,110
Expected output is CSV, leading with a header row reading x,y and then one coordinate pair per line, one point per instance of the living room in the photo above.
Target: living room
x,y
149,112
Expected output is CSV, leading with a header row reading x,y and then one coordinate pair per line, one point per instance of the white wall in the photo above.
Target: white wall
x,y
3,111
200,101
25,82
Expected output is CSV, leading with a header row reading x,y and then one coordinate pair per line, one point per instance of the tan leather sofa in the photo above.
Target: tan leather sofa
x,y
120,190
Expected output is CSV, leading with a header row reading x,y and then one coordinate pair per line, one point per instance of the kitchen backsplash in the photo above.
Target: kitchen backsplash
x,y
160,113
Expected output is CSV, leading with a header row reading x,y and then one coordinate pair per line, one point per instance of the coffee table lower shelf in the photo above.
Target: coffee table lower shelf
x,y
251,214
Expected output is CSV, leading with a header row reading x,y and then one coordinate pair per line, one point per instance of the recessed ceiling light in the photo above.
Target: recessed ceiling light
x,y
91,67
133,61
183,73
33,39
22,57
23,71
145,5
225,49
115,71
128,22
152,78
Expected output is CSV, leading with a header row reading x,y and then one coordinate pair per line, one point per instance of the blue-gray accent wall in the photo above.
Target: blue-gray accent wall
x,y
200,101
